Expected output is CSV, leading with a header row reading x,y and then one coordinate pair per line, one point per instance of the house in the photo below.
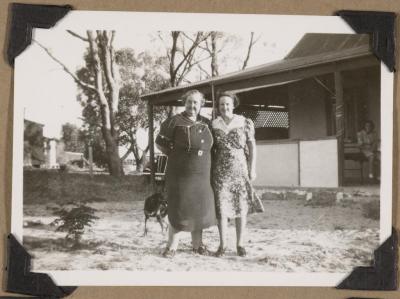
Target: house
x,y
306,107
33,144
43,152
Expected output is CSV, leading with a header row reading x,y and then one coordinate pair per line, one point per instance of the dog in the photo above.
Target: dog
x,y
155,206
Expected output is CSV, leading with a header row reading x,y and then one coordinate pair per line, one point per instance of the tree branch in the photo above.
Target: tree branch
x,y
204,39
204,71
78,36
251,43
66,69
189,55
126,154
172,70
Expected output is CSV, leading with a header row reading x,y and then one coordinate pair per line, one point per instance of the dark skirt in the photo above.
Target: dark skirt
x,y
191,203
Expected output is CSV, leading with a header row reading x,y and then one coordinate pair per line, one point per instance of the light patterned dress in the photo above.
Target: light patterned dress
x,y
367,142
230,172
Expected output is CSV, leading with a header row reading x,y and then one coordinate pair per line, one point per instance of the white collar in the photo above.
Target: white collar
x,y
237,121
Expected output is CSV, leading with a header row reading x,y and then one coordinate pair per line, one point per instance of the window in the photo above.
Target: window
x,y
270,123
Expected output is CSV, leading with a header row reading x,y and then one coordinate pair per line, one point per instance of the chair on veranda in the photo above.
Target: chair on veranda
x,y
161,167
352,152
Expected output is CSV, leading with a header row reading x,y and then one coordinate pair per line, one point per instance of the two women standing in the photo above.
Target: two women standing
x,y
188,139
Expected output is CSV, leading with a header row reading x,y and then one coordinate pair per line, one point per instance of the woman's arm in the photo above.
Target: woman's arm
x,y
163,145
164,140
251,144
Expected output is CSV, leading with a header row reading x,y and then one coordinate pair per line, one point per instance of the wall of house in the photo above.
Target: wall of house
x,y
277,164
319,163
305,163
307,110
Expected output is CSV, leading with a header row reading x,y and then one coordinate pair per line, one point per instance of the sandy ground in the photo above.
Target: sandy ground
x,y
289,237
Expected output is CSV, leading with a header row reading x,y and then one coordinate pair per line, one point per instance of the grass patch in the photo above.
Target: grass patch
x,y
41,186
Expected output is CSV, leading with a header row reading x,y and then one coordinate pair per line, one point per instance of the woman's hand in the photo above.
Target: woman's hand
x,y
252,174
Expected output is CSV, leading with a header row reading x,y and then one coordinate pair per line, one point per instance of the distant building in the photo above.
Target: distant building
x,y
44,152
34,150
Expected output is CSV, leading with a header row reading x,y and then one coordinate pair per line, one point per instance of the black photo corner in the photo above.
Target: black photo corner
x,y
382,275
25,17
19,279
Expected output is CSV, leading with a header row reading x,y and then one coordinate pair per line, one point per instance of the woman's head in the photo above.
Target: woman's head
x,y
369,126
193,101
226,102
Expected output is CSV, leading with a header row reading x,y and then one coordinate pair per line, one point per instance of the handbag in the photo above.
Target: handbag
x,y
255,204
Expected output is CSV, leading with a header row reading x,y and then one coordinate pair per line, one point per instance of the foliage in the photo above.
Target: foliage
x,y
73,138
33,133
74,222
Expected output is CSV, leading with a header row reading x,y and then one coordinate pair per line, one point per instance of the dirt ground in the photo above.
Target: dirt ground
x,y
290,236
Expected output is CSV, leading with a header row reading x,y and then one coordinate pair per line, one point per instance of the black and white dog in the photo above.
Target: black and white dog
x,y
155,206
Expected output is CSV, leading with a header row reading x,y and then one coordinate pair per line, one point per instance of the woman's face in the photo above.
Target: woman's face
x,y
226,106
193,104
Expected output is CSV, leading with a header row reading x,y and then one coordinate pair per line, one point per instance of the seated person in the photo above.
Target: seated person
x,y
368,142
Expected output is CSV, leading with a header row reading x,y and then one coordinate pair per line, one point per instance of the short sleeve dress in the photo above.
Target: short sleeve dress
x,y
367,142
191,204
230,174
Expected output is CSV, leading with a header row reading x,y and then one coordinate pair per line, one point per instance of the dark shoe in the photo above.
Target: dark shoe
x,y
220,252
241,251
168,253
202,250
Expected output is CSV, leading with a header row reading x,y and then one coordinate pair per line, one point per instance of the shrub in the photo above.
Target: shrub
x,y
74,222
371,209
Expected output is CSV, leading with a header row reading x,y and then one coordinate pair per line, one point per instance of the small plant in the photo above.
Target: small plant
x,y
74,222
371,209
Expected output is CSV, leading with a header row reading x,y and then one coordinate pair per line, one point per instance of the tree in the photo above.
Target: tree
x,y
138,73
104,86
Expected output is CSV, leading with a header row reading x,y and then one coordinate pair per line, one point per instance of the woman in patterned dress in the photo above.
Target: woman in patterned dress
x,y
368,143
187,140
233,169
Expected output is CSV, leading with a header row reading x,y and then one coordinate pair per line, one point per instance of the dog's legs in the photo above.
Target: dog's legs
x,y
159,220
145,225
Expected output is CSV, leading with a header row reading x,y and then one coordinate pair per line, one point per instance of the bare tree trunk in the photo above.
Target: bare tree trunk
x,y
214,56
142,161
109,106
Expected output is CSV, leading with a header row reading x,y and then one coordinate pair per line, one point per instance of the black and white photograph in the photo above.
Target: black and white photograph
x,y
204,146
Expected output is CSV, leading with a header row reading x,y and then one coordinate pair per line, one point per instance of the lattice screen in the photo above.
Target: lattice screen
x,y
268,119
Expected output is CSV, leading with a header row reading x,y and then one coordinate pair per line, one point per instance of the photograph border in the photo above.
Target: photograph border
x,y
382,150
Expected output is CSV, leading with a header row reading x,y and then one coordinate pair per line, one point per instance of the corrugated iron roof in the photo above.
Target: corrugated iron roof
x,y
319,43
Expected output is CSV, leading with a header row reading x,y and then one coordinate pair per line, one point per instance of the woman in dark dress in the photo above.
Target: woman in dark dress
x,y
187,140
